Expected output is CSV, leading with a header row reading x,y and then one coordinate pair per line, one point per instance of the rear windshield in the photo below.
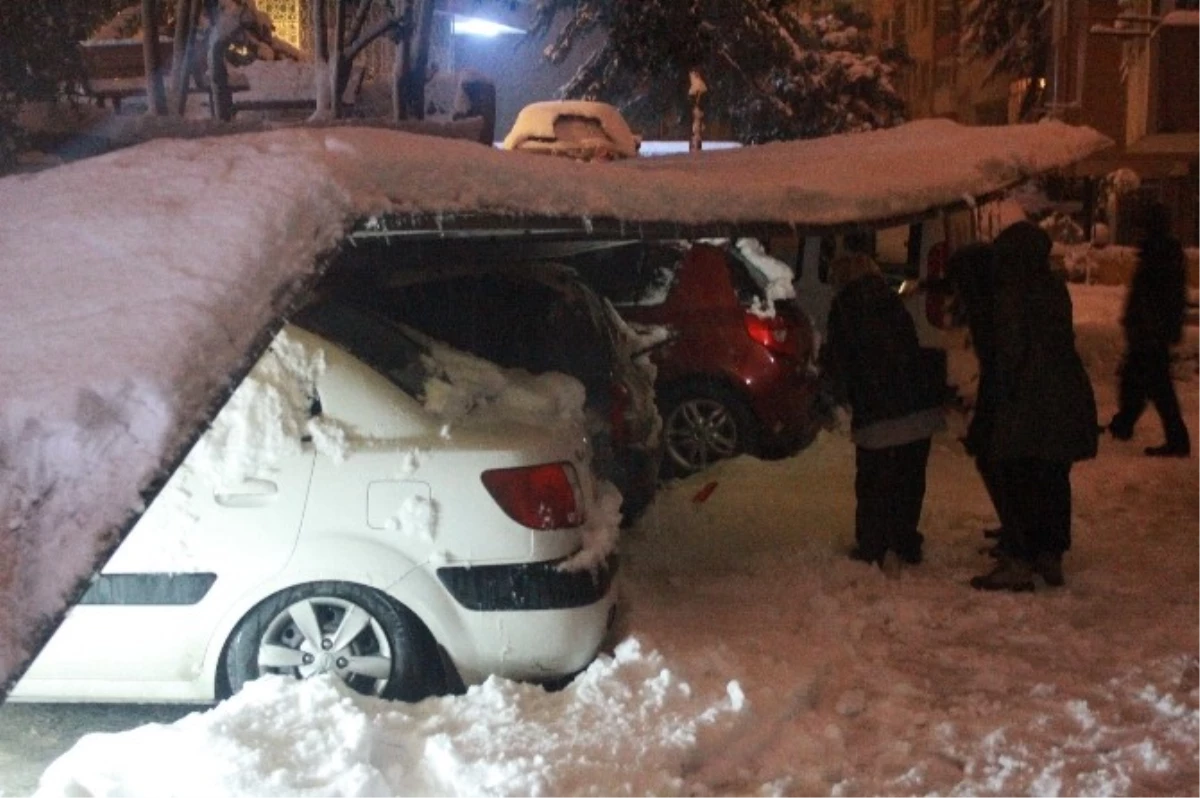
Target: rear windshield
x,y
511,320
629,273
372,338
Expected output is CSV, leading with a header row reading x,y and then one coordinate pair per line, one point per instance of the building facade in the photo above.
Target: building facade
x,y
1129,70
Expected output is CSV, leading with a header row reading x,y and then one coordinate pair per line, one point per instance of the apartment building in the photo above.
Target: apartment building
x,y
939,83
1129,69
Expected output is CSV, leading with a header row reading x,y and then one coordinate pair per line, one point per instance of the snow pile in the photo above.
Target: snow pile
x,y
279,80
626,726
467,388
755,658
773,275
266,418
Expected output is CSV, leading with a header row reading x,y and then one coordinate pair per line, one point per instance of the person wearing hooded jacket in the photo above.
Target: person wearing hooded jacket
x,y
871,360
1045,410
1153,322
971,273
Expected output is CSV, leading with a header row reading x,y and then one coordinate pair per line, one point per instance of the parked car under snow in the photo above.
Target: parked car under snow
x,y
406,517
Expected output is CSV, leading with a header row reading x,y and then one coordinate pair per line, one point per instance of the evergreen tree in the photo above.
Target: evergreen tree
x,y
770,73
1016,34
39,59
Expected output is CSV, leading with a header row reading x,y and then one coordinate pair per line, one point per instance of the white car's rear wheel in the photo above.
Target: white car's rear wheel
x,y
353,632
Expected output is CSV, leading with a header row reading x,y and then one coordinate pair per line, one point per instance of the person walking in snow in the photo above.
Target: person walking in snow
x,y
1045,413
1153,322
971,274
872,361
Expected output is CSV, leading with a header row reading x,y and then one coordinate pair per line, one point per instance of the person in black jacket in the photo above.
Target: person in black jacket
x,y
1045,417
971,272
872,361
1153,321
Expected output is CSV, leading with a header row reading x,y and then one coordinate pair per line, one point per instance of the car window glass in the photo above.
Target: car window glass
x,y
891,248
511,320
961,228
579,130
630,273
748,282
370,337
828,250
896,249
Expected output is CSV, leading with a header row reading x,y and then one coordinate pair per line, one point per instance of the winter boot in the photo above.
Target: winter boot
x,y
1049,567
1015,576
1119,429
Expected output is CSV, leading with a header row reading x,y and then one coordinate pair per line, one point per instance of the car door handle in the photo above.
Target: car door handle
x,y
254,492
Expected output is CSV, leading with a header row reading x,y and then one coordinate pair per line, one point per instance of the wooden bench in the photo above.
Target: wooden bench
x,y
115,70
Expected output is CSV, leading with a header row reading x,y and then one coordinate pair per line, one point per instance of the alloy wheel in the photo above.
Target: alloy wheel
x,y
324,634
700,431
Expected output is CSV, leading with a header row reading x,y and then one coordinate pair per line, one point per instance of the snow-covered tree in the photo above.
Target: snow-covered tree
x,y
1016,35
770,72
358,23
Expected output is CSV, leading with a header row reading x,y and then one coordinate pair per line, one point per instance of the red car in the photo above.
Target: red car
x,y
735,371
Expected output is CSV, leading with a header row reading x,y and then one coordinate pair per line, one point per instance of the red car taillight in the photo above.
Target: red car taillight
x,y
773,332
539,497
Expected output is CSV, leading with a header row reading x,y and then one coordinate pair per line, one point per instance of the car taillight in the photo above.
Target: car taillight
x,y
539,497
772,332
937,308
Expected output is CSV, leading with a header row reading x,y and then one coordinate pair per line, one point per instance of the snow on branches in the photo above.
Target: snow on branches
x,y
771,72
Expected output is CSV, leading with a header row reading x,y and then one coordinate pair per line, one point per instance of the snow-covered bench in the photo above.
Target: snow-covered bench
x,y
115,70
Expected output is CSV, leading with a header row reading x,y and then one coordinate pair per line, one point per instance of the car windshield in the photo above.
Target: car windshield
x,y
370,337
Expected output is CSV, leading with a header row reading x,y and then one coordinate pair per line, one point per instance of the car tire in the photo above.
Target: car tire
x,y
703,423
387,652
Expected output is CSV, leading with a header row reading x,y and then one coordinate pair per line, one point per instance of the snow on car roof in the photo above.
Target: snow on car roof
x,y
137,287
536,121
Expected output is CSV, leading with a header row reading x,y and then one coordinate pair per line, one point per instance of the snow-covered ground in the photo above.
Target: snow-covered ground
x,y
754,658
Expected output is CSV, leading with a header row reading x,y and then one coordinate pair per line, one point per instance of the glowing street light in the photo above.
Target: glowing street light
x,y
477,26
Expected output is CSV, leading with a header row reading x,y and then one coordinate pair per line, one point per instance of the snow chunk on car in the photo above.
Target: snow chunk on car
x,y
575,128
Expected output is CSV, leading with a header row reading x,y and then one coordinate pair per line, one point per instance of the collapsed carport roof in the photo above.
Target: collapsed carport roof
x,y
834,182
137,287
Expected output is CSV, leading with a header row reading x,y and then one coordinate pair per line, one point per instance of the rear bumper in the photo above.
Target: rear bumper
x,y
527,586
786,411
543,624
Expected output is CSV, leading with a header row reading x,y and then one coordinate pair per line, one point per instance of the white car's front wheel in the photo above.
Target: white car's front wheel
x,y
354,632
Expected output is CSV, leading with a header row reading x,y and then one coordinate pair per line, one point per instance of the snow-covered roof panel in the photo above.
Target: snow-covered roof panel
x,y
134,287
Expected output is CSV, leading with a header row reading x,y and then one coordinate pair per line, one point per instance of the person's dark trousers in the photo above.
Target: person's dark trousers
x,y
990,475
1037,500
1146,375
889,486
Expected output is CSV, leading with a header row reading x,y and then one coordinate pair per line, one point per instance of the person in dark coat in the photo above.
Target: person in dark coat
x,y
1045,417
971,274
1153,322
873,362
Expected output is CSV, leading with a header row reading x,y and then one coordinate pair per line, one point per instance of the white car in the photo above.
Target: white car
x,y
579,129
366,506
